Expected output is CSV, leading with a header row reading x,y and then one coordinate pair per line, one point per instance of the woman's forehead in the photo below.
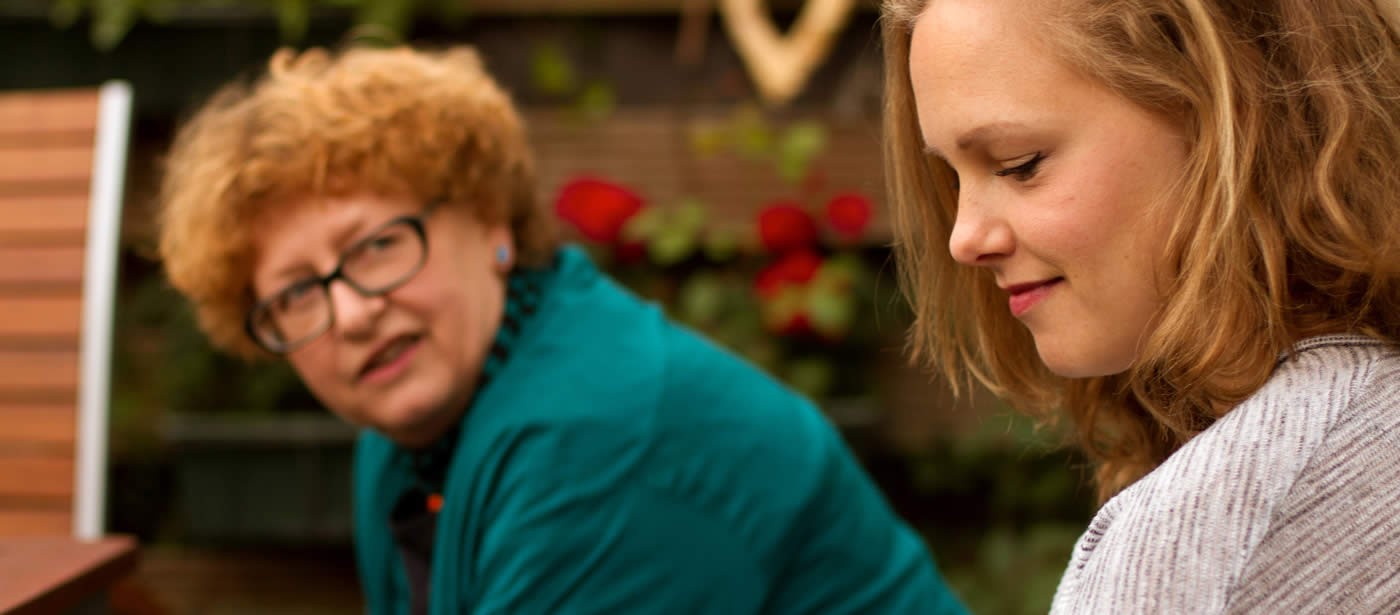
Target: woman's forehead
x,y
298,233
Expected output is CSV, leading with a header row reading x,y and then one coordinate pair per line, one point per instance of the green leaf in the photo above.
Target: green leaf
x,y
690,215
779,310
753,142
111,20
645,224
387,19
701,299
763,352
721,245
997,552
830,313
752,137
706,140
839,274
596,102
160,11
671,245
453,12
64,13
801,144
812,375
293,16
551,71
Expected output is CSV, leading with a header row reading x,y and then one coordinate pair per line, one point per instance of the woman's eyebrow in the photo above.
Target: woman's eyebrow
x,y
977,136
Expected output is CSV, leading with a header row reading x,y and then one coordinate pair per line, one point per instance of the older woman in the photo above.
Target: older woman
x,y
536,439
1175,222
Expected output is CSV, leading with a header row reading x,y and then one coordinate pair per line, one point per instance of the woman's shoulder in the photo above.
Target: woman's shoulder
x,y
1315,364
1321,387
1326,425
1321,391
1331,541
608,351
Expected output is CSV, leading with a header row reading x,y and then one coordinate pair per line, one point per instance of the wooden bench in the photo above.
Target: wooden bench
x,y
62,165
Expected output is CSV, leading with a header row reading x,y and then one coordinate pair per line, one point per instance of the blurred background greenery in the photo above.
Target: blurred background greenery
x,y
761,225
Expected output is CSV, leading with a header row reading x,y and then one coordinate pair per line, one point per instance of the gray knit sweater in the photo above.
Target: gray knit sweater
x,y
1288,504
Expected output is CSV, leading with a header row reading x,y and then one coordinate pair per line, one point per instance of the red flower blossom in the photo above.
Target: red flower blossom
x,y
799,325
848,214
784,226
792,269
630,252
597,208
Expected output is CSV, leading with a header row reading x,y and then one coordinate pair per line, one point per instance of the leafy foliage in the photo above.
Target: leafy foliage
x,y
385,20
163,363
1006,504
793,292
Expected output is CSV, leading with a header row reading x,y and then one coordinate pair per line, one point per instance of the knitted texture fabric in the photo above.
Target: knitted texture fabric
x,y
1290,503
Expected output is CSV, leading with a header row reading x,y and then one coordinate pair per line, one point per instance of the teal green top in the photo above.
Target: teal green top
x,y
619,463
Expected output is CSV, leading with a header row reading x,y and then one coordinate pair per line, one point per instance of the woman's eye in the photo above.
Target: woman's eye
x,y
382,242
1024,171
295,296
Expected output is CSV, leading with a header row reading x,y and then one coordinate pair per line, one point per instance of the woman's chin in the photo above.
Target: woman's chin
x,y
414,425
1079,365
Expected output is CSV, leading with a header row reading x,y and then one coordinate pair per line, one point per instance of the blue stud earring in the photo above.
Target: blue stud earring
x,y
503,255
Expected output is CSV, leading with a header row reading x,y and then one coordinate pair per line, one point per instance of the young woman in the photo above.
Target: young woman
x,y
1175,223
536,439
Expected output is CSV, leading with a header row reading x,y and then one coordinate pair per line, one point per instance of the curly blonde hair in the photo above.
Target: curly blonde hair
x,y
1287,226
427,125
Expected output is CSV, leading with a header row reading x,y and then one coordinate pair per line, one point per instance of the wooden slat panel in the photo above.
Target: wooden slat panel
x,y
41,316
56,264
48,372
55,214
35,521
51,111
63,163
24,475
47,425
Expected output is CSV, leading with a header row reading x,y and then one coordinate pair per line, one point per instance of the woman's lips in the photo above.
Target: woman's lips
x,y
1026,296
380,372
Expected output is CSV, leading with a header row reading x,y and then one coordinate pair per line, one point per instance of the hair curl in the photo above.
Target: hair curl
x,y
426,125
1286,226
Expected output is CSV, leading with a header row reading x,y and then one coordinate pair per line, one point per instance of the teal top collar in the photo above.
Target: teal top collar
x,y
524,289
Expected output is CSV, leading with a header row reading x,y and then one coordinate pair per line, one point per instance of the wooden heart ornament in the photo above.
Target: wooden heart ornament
x,y
780,65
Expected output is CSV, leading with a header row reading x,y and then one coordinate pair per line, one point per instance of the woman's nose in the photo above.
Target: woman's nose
x,y
354,313
980,237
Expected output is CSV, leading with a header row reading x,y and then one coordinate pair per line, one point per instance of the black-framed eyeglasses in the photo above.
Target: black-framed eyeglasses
x,y
385,259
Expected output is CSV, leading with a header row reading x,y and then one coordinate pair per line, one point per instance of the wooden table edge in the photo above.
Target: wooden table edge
x,y
118,557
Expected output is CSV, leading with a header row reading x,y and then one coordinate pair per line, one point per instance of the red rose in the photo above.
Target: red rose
x,y
597,208
630,252
785,226
848,214
798,326
792,269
